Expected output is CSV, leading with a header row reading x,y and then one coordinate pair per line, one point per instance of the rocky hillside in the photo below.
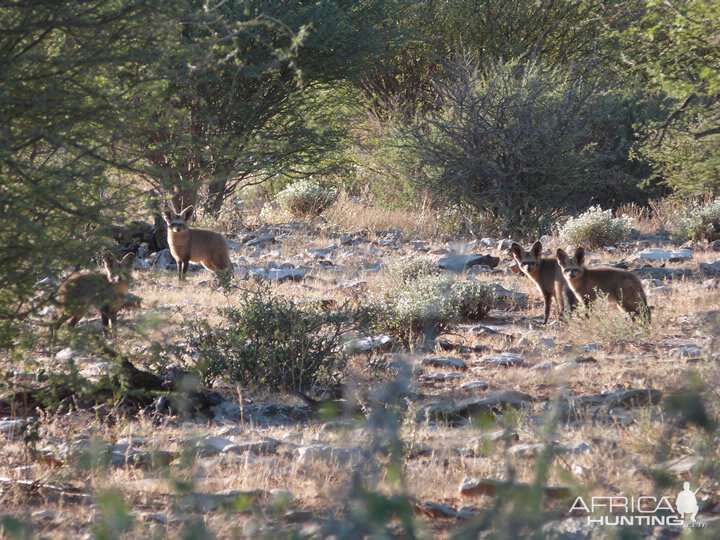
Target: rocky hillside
x,y
498,425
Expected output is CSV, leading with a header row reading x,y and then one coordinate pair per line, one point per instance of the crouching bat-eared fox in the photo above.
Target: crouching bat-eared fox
x,y
105,292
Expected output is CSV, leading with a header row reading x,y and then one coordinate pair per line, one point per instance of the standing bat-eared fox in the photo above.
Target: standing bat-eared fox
x,y
195,245
621,287
547,276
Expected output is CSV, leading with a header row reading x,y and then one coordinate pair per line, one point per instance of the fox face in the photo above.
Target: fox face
x,y
178,222
529,261
119,273
572,267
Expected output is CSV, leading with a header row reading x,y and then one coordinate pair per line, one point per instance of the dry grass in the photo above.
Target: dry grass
x,y
657,215
627,356
350,214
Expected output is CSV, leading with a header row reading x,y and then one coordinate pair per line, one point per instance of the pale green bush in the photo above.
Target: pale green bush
x,y
596,228
306,198
402,271
473,299
433,304
699,222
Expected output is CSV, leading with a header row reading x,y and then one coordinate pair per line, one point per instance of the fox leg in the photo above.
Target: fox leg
x,y
548,304
182,268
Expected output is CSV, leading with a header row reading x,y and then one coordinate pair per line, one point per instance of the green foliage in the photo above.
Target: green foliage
x,y
675,50
673,46
618,175
115,517
383,169
407,269
274,342
14,528
596,228
699,222
251,92
431,304
179,93
306,198
559,33
62,122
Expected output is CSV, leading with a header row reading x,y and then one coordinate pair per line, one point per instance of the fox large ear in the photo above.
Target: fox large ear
x,y
109,262
562,257
516,251
580,256
167,216
128,261
536,249
187,213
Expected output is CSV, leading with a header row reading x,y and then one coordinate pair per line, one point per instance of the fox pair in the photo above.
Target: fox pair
x,y
108,292
567,277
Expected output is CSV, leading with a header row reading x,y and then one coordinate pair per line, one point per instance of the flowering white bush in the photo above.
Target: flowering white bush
x,y
306,198
596,228
700,222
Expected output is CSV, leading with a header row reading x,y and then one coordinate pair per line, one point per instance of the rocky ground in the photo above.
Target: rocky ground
x,y
596,406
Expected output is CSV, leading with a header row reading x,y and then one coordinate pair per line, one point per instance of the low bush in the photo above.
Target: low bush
x,y
403,271
699,222
596,228
431,304
274,342
306,198
607,326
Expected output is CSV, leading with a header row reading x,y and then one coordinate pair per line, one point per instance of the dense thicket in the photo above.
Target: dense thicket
x,y
67,71
675,50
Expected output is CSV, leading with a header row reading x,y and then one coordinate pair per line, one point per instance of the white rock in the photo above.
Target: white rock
x,y
282,495
214,444
660,254
432,377
66,354
444,361
12,427
503,359
285,274
474,385
367,344
325,452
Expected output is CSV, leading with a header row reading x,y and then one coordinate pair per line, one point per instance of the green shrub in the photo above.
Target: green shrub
x,y
700,222
306,198
275,342
596,228
433,304
403,271
474,299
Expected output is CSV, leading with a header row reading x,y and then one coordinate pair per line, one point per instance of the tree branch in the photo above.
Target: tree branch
x,y
706,133
672,117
